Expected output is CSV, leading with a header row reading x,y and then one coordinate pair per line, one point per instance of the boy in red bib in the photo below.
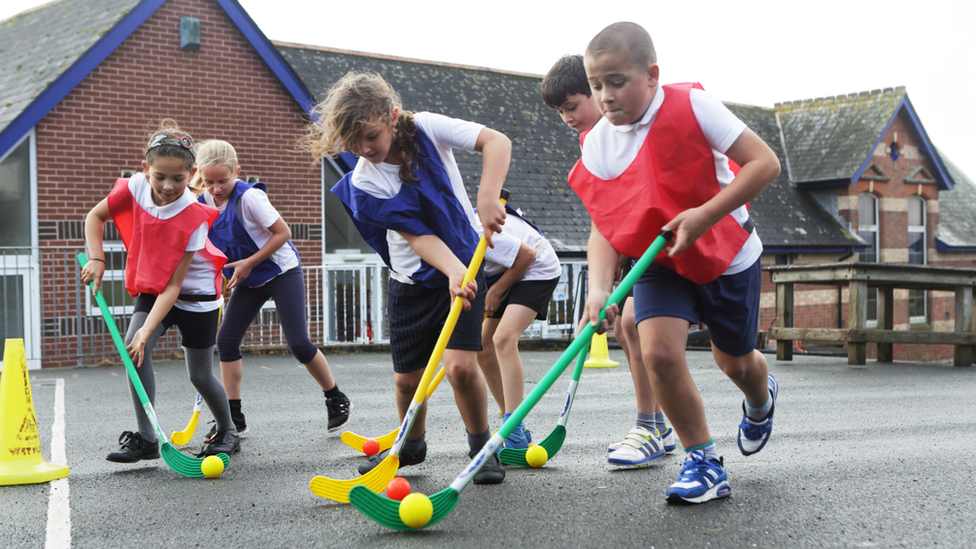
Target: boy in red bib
x,y
566,90
659,160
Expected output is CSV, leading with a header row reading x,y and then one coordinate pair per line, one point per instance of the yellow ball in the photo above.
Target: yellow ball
x,y
536,456
212,467
416,510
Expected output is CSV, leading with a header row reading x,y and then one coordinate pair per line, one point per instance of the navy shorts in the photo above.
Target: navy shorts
x,y
534,294
417,315
729,305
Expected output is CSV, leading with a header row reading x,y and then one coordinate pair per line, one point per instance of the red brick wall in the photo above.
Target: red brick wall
x,y
224,91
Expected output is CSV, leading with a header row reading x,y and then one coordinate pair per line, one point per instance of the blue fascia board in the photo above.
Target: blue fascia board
x,y
81,68
88,61
867,161
943,247
269,54
945,181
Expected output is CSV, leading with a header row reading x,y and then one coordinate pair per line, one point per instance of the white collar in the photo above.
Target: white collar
x,y
648,115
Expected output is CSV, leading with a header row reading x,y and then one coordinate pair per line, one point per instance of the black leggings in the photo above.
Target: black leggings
x,y
288,292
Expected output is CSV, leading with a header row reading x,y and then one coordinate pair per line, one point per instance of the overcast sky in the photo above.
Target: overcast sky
x,y
751,52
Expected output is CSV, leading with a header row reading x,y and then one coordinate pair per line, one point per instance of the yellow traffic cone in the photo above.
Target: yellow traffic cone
x,y
599,354
20,445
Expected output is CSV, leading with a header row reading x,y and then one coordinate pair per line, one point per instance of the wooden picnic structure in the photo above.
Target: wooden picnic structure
x,y
886,277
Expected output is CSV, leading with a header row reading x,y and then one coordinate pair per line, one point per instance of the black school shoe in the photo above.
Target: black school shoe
x,y
134,448
338,408
239,422
405,459
491,472
223,442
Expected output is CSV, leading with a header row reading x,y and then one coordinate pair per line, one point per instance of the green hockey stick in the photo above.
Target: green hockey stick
x,y
177,461
553,442
386,512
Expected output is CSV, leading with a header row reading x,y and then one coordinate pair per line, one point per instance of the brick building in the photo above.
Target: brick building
x,y
78,105
861,181
867,162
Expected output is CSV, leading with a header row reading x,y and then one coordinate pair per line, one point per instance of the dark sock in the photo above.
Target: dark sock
x,y
413,445
659,422
646,421
235,406
476,442
333,392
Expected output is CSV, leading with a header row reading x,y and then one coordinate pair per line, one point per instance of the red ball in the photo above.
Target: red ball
x,y
370,446
398,488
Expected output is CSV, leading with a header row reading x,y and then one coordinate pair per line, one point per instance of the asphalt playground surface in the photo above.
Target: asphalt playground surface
x,y
872,456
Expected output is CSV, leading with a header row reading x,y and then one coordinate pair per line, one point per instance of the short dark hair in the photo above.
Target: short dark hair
x,y
628,38
565,78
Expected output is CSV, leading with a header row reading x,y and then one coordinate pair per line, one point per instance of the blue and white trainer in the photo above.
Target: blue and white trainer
x,y
667,439
754,434
700,480
519,439
640,447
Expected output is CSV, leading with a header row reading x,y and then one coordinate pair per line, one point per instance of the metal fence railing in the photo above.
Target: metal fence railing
x,y
44,303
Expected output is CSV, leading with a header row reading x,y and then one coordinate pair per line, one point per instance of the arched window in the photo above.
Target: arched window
x,y
916,255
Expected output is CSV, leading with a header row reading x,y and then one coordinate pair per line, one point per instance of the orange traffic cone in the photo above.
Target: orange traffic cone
x,y
599,353
20,445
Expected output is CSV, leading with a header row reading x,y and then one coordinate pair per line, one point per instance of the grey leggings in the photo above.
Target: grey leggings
x,y
199,366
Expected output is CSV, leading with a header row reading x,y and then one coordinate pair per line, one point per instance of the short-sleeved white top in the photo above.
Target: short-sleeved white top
x,y
608,150
507,243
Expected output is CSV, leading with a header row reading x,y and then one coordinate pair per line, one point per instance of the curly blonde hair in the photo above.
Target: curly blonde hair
x,y
349,105
214,152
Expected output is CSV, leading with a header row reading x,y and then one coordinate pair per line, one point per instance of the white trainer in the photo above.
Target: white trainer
x,y
639,448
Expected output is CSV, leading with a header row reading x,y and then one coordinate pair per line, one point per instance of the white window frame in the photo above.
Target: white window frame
x,y
28,265
110,275
919,229
876,230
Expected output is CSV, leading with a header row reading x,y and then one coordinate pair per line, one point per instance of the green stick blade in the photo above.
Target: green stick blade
x,y
183,464
554,441
386,512
552,444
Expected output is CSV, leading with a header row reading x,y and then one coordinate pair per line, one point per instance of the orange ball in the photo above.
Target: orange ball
x,y
370,446
397,489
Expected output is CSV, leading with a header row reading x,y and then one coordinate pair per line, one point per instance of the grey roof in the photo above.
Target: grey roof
x,y
785,216
38,45
829,138
824,139
543,148
957,222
